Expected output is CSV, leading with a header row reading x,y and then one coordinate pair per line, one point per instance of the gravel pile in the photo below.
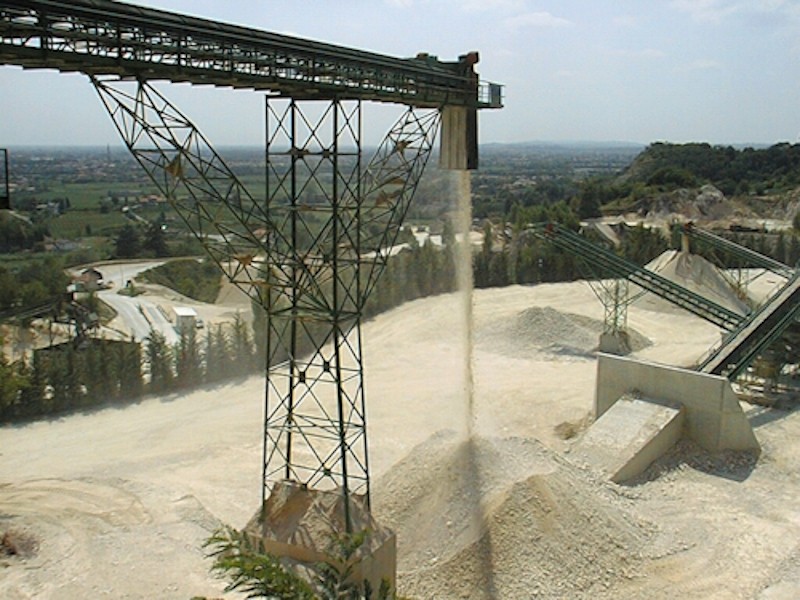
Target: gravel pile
x,y
549,331
505,518
696,274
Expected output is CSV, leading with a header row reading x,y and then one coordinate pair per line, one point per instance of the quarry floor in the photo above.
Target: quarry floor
x,y
121,500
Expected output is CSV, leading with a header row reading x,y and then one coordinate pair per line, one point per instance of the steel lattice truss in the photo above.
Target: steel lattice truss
x,y
100,37
309,253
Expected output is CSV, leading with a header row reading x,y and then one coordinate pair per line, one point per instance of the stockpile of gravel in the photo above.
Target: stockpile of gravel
x,y
549,331
505,518
696,274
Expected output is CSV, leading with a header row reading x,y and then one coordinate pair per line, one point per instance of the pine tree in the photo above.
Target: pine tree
x,y
780,248
128,243
218,359
128,368
154,241
188,361
159,359
794,250
241,347
14,380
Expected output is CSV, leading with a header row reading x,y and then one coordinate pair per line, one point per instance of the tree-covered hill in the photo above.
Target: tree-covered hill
x,y
734,171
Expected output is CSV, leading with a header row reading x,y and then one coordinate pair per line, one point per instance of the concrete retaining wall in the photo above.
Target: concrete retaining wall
x,y
714,418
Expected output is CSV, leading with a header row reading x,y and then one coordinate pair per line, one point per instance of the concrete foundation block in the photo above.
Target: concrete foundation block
x,y
629,436
299,524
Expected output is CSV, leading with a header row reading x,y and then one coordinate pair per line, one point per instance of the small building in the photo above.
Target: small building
x,y
185,318
92,279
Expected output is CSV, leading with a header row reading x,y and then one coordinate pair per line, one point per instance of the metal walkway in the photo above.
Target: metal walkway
x,y
750,257
608,262
760,329
101,37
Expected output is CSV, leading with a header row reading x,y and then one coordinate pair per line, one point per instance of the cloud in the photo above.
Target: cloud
x,y
401,3
536,19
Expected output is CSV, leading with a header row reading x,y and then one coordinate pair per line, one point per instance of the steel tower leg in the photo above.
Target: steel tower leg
x,y
315,427
340,225
309,253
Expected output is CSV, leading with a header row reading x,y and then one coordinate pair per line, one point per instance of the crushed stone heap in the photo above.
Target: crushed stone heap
x,y
696,274
548,330
504,518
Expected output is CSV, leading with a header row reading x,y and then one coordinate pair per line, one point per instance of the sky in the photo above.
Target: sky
x,y
717,71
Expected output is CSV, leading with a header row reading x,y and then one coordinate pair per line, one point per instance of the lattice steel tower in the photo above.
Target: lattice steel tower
x,y
310,250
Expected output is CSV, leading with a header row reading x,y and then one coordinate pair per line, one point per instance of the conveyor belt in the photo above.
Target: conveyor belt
x,y
750,257
615,266
101,37
756,333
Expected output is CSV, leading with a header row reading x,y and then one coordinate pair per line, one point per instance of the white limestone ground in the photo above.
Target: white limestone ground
x,y
120,500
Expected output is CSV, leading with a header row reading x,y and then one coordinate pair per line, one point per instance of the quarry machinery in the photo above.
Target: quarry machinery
x,y
746,337
63,309
606,263
309,250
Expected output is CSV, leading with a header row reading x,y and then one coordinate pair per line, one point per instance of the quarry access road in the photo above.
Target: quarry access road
x,y
137,315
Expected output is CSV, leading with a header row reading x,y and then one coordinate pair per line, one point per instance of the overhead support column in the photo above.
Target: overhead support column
x,y
459,141
315,427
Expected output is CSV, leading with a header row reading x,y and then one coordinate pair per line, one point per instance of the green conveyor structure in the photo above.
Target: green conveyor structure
x,y
756,333
747,337
611,265
748,256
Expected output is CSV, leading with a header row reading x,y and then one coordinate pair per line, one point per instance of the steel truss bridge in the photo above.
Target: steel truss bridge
x,y
310,249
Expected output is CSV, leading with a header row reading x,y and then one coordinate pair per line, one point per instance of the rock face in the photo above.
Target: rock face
x,y
705,204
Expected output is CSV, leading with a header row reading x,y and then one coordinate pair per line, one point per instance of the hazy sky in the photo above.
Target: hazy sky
x,y
721,71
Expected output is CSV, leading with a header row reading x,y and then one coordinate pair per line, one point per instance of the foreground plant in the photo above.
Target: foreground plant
x,y
255,572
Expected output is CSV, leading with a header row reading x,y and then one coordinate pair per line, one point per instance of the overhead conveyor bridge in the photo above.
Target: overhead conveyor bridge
x,y
101,37
614,266
749,257
311,251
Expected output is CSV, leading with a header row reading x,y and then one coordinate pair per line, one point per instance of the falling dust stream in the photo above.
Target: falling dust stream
x,y
461,182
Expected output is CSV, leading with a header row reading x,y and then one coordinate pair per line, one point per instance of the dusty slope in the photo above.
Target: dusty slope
x,y
135,491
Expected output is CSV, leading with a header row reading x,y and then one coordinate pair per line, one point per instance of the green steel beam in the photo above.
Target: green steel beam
x,y
102,37
756,333
613,265
751,257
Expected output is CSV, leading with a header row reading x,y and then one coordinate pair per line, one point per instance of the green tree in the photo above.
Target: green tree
x,y
241,347
779,253
593,194
218,355
253,571
155,242
159,359
794,250
128,242
188,361
127,357
13,382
